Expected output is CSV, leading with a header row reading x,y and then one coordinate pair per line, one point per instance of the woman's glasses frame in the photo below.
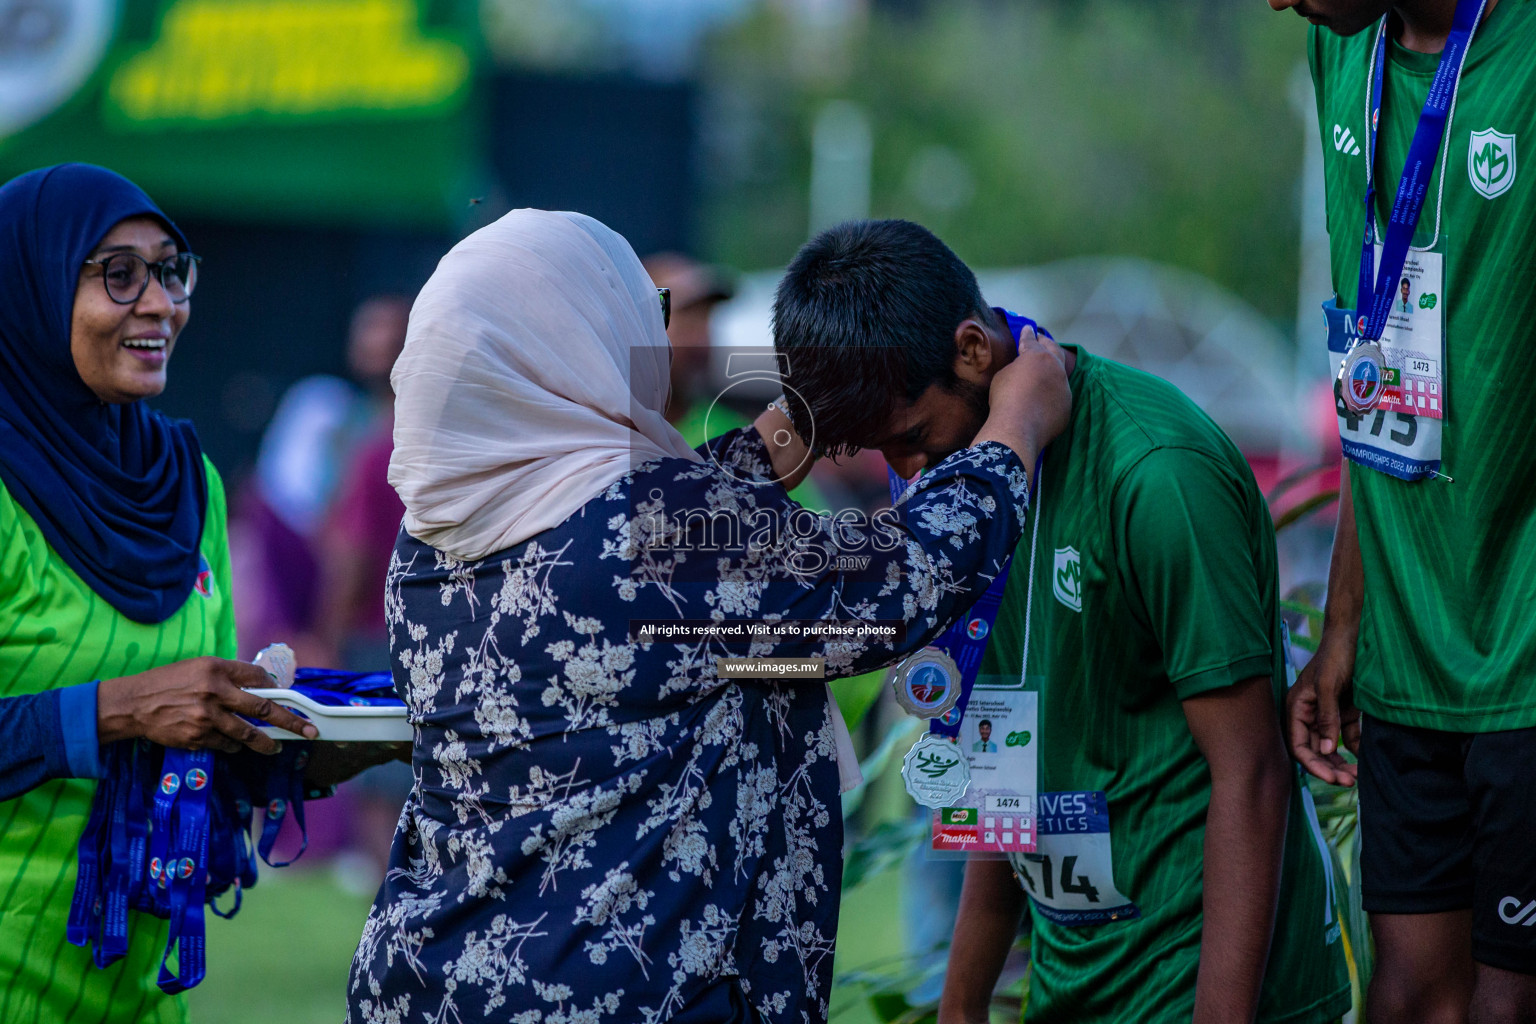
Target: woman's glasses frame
x,y
182,268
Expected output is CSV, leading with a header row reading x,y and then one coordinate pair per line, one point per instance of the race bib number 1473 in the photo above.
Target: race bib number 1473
x,y
1401,436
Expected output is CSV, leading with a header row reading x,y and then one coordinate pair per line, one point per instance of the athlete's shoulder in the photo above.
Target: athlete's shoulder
x,y
12,553
1141,413
24,550
1330,54
1499,60
215,482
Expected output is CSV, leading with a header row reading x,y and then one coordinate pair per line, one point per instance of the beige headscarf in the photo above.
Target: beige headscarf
x,y
534,375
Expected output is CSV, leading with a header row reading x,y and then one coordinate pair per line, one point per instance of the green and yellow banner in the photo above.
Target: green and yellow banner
x,y
340,111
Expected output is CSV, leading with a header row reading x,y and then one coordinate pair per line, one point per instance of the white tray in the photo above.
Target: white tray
x,y
342,724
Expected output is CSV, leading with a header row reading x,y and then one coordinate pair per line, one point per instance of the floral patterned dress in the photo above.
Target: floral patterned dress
x,y
603,829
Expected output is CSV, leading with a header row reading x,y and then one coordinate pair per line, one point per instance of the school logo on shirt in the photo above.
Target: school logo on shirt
x,y
204,584
1067,578
1491,162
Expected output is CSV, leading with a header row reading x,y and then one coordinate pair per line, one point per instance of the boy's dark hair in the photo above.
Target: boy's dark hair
x,y
867,310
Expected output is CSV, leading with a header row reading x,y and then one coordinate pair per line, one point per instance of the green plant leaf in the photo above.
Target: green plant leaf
x,y
856,695
901,732
882,848
1302,509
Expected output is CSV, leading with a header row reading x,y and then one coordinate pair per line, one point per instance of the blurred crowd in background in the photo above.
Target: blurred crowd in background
x,y
1138,175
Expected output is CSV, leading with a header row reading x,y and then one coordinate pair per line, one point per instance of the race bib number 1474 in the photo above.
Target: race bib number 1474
x,y
1070,877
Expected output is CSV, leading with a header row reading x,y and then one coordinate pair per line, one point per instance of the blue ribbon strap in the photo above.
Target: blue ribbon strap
x,y
965,641
85,908
1418,169
185,872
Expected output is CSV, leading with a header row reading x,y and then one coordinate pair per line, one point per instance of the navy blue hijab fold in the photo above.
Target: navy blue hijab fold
x,y
118,490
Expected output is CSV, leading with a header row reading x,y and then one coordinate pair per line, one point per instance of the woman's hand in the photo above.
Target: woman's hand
x,y
330,763
790,455
1030,399
194,704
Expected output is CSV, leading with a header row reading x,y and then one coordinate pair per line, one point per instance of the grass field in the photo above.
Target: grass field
x,y
285,956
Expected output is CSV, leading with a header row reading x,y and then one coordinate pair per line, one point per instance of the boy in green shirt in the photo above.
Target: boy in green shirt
x,y
1177,874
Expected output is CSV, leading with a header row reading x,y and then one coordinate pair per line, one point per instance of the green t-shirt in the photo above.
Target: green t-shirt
x,y
1447,637
55,631
1154,581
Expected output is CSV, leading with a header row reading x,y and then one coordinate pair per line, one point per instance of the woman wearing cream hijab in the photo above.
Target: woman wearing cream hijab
x,y
602,825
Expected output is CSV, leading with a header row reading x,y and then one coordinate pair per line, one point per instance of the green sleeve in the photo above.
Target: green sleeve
x,y
1188,547
1315,65
216,550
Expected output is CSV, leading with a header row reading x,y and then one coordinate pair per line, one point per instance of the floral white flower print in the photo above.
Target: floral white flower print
x,y
579,790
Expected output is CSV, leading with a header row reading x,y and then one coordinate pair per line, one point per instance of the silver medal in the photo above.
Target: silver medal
x,y
1362,378
928,684
935,771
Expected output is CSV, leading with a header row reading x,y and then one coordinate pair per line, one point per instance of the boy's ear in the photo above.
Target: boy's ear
x,y
974,357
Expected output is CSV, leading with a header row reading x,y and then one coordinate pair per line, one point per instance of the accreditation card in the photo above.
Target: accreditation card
x,y
996,815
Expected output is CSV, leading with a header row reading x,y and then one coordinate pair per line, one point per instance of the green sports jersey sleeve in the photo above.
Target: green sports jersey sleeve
x,y
1186,534
224,632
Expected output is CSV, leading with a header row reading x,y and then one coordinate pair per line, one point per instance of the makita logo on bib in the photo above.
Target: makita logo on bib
x,y
1344,141
1512,912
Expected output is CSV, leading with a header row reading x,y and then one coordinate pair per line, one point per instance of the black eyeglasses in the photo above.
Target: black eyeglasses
x,y
665,295
125,275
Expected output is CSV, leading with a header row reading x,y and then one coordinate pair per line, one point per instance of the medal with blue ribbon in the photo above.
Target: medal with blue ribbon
x,y
1361,380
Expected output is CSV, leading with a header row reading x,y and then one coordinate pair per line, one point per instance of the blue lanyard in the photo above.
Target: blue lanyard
x,y
285,798
355,689
965,641
86,908
169,832
182,802
1016,325
1418,169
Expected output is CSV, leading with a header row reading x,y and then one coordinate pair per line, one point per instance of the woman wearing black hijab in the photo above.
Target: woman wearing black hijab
x,y
115,616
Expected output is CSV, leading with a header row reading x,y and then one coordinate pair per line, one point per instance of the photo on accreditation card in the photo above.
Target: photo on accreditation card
x,y
984,733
